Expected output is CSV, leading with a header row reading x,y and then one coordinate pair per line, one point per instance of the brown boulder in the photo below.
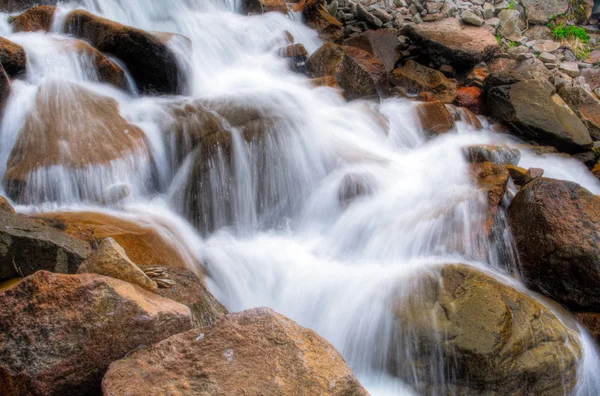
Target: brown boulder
x,y
448,42
556,226
466,116
591,321
34,19
382,44
68,114
183,286
256,352
59,333
21,5
263,6
471,332
492,180
357,72
111,260
326,25
586,105
499,155
12,57
152,64
435,118
471,98
416,78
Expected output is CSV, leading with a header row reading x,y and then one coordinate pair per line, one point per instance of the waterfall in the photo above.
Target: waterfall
x,y
270,223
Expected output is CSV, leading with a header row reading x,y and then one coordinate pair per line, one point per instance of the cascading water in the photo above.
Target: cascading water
x,y
276,229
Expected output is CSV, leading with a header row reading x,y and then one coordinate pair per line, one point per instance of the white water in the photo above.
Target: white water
x,y
280,236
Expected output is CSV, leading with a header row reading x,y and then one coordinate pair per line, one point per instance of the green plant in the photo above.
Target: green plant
x,y
499,38
567,32
512,5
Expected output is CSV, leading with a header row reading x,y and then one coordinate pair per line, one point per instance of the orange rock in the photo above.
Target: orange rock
x,y
12,57
263,6
34,19
416,78
492,179
471,98
435,118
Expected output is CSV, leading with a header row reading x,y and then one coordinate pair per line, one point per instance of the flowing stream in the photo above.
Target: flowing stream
x,y
280,237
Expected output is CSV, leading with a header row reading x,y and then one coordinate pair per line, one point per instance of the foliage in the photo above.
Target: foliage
x,y
512,5
566,32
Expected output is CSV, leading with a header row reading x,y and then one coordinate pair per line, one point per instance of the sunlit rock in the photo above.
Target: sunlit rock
x,y
34,19
416,79
12,57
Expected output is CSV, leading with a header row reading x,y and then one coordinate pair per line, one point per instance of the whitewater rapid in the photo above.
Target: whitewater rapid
x,y
291,245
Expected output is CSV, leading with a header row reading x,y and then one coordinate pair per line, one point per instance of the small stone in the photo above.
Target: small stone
x,y
471,18
570,68
547,57
545,46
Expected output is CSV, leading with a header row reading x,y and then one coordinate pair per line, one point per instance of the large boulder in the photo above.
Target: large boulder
x,y
70,120
585,104
357,72
381,43
448,42
34,19
152,64
530,105
12,57
27,246
59,333
416,78
460,331
556,226
540,12
253,352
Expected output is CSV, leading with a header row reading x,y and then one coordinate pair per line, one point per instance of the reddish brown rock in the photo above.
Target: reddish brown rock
x,y
435,118
416,78
465,115
34,19
108,71
59,333
357,72
263,6
328,27
499,155
5,89
586,105
381,43
591,321
252,352
492,179
501,64
12,57
21,5
556,225
471,98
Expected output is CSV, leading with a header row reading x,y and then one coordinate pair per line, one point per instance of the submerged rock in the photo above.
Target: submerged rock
x,y
492,180
483,336
12,57
434,117
59,333
499,155
556,225
252,352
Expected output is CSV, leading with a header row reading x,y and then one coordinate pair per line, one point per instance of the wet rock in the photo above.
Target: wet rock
x,y
296,55
148,57
59,333
12,57
416,78
585,105
111,260
556,225
466,116
108,71
477,76
6,206
591,321
499,155
144,243
471,98
21,5
254,352
34,19
5,89
530,104
27,246
382,44
353,187
435,118
263,6
492,179
70,120
540,12
329,28
449,42
357,72
188,289
486,337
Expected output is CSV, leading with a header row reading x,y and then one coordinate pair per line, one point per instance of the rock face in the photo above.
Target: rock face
x,y
357,72
586,105
556,225
533,108
12,57
540,12
27,246
435,118
186,288
152,64
416,78
59,333
70,120
488,338
111,260
381,43
34,19
253,352
450,42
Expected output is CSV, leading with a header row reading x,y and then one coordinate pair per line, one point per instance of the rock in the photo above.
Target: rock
x,y
593,57
509,25
70,120
152,64
556,227
328,27
547,57
571,69
435,119
416,78
357,72
354,186
12,58
111,260
383,44
469,17
498,65
263,6
499,155
585,105
6,206
27,246
540,12
188,289
492,179
592,77
545,46
449,42
477,76
20,5
252,352
488,11
530,104
591,321
466,116
471,98
363,15
486,337
59,333
34,19
144,243
5,89
108,71
296,56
